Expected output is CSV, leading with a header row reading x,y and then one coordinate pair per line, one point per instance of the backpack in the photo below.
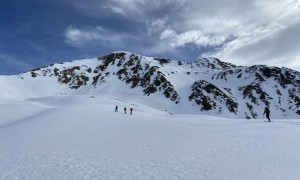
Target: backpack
x,y
267,110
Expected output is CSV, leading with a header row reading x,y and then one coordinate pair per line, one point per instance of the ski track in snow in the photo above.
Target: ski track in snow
x,y
83,138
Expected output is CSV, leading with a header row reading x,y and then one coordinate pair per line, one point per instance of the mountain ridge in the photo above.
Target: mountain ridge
x,y
204,86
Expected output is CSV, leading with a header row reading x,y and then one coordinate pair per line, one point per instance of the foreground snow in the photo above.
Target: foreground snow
x,y
81,137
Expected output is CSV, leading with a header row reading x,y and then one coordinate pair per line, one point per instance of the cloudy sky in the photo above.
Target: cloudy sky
x,y
34,33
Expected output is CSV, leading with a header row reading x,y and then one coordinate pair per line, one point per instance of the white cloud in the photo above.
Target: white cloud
x,y
118,10
198,38
78,37
97,35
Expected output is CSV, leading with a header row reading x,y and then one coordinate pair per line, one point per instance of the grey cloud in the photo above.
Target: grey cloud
x,y
280,49
140,10
261,29
12,62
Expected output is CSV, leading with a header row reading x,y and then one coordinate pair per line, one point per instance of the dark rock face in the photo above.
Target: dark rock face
x,y
209,96
251,89
72,76
136,73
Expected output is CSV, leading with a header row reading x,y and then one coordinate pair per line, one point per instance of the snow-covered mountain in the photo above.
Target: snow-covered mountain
x,y
204,86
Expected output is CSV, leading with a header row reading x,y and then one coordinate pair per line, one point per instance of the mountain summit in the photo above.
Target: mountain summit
x,y
204,86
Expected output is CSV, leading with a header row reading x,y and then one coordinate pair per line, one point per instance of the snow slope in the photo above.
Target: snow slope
x,y
81,137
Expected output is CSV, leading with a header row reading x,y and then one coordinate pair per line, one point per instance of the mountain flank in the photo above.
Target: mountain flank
x,y
203,86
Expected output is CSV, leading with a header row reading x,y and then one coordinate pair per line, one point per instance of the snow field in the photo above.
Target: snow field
x,y
81,137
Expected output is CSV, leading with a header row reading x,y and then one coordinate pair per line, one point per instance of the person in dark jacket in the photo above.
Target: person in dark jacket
x,y
116,109
131,109
125,110
267,112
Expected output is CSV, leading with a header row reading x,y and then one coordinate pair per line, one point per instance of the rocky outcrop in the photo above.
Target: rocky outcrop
x,y
210,97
